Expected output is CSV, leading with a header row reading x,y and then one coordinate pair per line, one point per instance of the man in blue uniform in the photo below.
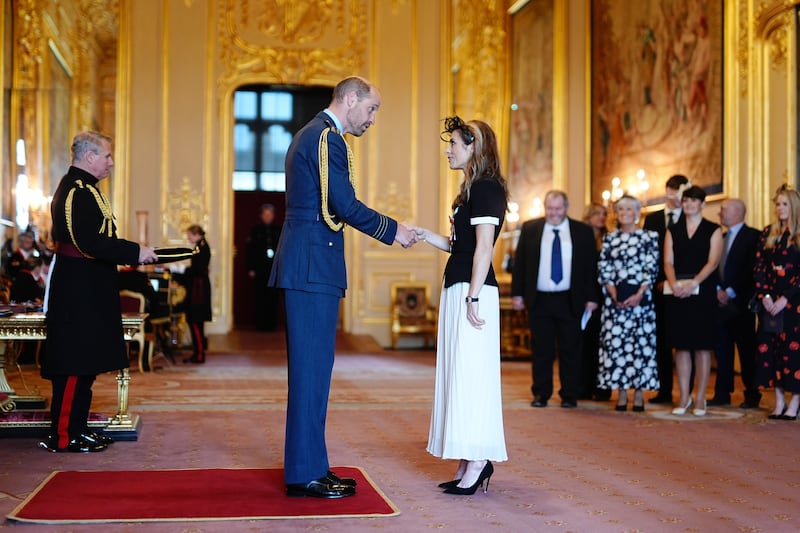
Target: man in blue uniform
x,y
310,269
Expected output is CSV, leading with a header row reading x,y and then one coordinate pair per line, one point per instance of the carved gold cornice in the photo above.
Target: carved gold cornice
x,y
303,41
772,25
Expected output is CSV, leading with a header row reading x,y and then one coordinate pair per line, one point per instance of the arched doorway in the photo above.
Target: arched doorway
x,y
266,117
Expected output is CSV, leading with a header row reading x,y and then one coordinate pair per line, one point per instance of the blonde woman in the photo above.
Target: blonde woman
x,y
777,277
627,270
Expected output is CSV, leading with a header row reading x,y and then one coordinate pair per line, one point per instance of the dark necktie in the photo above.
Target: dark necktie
x,y
671,221
724,257
556,269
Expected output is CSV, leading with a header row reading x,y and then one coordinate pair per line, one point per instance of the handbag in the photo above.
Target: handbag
x,y
625,290
769,323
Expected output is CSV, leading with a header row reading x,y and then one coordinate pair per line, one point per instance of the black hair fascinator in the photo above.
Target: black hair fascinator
x,y
452,124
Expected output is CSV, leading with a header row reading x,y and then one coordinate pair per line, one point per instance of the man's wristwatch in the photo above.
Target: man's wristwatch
x,y
470,299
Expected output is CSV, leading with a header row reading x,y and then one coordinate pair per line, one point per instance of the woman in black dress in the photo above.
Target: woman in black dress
x,y
198,293
777,277
692,251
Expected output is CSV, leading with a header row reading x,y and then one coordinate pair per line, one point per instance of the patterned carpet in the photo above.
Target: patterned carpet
x,y
585,470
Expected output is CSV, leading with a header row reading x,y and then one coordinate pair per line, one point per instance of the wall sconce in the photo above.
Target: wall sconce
x,y
512,215
536,208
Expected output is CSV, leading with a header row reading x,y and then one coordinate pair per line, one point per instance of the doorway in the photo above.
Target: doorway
x,y
266,119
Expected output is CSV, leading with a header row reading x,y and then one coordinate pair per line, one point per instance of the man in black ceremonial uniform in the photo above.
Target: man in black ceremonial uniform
x,y
82,304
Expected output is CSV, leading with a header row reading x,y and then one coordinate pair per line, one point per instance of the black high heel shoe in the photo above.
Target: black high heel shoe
x,y
448,484
485,474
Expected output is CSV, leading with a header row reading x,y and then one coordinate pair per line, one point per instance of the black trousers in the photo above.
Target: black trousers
x,y
663,349
198,330
69,408
739,329
555,330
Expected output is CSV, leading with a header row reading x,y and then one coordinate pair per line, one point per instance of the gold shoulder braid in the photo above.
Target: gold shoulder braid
x,y
323,176
105,208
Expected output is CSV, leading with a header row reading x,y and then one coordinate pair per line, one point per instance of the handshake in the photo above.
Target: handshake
x,y
408,235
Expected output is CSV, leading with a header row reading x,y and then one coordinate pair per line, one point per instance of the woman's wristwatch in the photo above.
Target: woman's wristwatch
x,y
470,299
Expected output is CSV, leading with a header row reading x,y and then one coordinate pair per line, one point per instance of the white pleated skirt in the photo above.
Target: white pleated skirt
x,y
467,415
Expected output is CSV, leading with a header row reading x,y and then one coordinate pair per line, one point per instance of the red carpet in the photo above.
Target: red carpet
x,y
204,494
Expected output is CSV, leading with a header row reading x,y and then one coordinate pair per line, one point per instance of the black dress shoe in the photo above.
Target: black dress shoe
x,y
97,438
569,404
319,488
336,480
719,402
538,401
749,404
79,445
659,398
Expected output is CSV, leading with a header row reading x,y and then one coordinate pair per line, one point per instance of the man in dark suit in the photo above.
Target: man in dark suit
x,y
261,246
554,277
737,324
659,221
310,269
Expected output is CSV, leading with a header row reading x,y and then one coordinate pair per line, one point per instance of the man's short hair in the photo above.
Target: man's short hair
x,y
676,181
88,141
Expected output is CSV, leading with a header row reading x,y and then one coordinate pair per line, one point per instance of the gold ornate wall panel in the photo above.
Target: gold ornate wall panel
x,y
59,49
301,42
771,104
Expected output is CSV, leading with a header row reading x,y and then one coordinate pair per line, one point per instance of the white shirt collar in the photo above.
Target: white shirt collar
x,y
335,120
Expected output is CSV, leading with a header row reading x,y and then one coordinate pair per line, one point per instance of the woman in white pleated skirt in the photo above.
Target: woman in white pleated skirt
x,y
467,415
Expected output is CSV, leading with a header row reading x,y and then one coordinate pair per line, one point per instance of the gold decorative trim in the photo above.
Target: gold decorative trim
x,y
773,25
183,208
302,42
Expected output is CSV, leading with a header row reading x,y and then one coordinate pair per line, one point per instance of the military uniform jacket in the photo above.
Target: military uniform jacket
x,y
310,254
84,324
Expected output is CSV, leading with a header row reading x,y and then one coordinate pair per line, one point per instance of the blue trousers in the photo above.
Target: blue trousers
x,y
311,340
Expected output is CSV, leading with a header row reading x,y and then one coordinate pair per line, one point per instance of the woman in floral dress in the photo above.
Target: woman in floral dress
x,y
777,276
627,270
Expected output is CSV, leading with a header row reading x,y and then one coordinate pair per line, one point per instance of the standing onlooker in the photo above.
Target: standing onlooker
x,y
25,249
596,217
310,268
82,305
555,278
777,285
628,268
692,249
261,246
659,221
467,415
198,293
736,322
28,285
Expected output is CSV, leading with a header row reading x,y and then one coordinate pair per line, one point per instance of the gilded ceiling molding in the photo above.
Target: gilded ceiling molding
x,y
773,22
478,47
302,41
